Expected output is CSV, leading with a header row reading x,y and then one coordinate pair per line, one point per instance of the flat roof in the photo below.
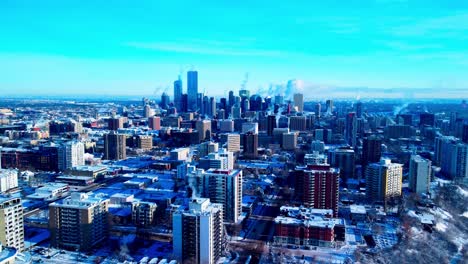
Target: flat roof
x,y
357,209
75,177
90,168
313,221
51,186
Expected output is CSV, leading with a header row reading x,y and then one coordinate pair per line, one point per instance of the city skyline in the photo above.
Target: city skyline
x,y
365,49
256,132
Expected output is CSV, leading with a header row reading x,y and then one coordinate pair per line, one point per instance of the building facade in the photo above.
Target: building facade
x,y
317,186
70,154
198,232
79,222
8,180
307,227
220,186
419,174
115,146
383,180
11,223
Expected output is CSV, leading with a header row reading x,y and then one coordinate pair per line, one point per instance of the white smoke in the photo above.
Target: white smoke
x,y
398,109
124,251
193,186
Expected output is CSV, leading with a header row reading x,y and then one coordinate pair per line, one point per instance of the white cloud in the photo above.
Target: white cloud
x,y
447,26
206,48
406,46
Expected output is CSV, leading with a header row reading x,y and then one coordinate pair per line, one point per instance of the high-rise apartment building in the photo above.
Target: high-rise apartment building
x,y
204,129
289,140
317,186
70,154
207,147
115,146
143,213
451,154
78,222
441,145
226,125
419,174
11,223
232,142
345,160
198,232
64,126
250,145
250,127
324,135
145,142
223,160
154,122
271,124
220,186
115,123
228,159
383,180
315,158
371,150
8,180
298,123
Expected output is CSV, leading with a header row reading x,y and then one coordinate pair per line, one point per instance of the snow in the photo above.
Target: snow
x,y
412,214
441,227
415,230
441,213
460,242
462,191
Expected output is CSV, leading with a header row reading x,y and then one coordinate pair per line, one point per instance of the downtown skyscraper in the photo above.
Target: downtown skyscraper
x,y
351,129
178,94
192,89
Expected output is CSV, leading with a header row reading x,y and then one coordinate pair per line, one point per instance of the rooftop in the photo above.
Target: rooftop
x,y
80,201
51,186
357,209
90,168
313,221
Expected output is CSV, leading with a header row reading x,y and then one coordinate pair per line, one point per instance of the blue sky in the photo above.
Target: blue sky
x,y
366,48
